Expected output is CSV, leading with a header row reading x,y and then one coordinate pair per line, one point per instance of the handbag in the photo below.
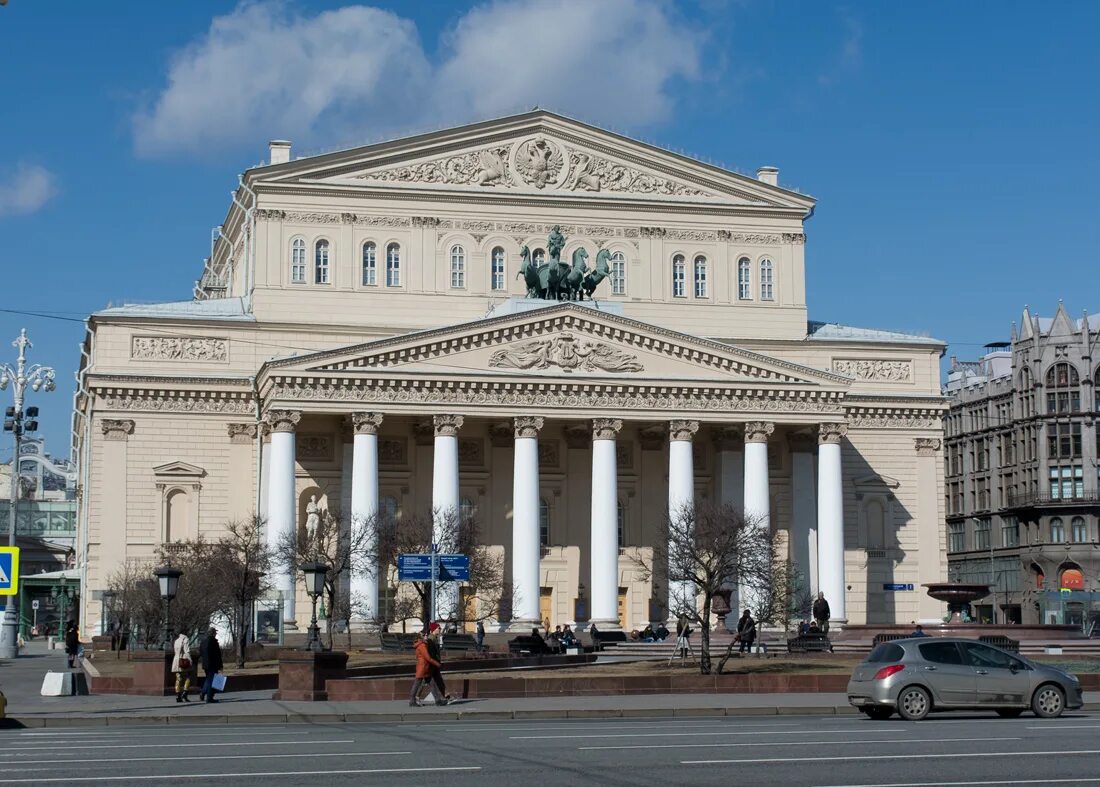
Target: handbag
x,y
185,663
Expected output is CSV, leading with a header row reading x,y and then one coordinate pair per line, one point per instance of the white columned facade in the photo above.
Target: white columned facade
x,y
445,497
282,499
757,489
526,549
605,524
681,506
830,519
364,512
803,545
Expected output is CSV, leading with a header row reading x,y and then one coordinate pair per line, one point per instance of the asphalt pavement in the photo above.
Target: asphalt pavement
x,y
975,749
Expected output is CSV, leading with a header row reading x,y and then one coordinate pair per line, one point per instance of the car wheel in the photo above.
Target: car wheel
x,y
1048,702
879,714
1010,713
914,703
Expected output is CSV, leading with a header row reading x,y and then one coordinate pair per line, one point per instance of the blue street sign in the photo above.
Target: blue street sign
x,y
455,568
897,586
418,568
9,571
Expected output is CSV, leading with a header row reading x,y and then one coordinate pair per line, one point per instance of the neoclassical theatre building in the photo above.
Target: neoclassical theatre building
x,y
364,334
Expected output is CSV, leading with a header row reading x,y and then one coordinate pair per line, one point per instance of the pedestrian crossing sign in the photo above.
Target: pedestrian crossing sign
x,y
9,571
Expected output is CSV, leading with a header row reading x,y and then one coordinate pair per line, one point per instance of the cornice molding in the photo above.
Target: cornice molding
x,y
176,401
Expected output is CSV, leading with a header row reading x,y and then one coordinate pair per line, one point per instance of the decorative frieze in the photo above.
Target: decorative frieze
x,y
893,418
282,420
528,426
875,370
606,428
471,452
314,446
169,403
758,431
116,429
298,217
447,425
682,430
831,433
565,352
927,446
549,453
366,423
393,451
624,454
179,348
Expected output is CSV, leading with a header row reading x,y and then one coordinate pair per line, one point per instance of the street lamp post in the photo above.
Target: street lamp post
x,y
108,604
315,585
61,595
18,422
168,578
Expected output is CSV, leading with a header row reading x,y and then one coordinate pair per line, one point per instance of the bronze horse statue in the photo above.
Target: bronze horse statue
x,y
529,273
574,280
603,270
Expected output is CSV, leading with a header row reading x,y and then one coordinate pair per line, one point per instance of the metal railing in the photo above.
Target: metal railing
x,y
1047,499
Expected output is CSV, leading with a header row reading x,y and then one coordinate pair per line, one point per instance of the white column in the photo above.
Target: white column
x,y
364,513
830,519
803,547
757,490
526,549
282,500
605,524
681,506
445,497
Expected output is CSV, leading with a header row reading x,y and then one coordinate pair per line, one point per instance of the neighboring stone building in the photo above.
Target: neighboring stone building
x,y
47,502
1021,471
362,335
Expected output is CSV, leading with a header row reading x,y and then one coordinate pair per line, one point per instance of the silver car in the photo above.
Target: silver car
x,y
914,677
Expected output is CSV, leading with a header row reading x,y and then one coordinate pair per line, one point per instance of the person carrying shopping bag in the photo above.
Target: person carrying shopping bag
x,y
182,666
211,654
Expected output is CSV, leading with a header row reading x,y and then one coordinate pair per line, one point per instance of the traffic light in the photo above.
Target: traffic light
x,y
32,412
9,413
30,425
9,424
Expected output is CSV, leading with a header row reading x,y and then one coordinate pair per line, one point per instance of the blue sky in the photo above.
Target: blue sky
x,y
952,146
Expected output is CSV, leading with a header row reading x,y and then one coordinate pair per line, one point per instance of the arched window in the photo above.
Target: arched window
x,y
387,507
618,273
622,524
1057,531
700,276
393,265
678,276
497,269
176,515
466,508
876,525
767,280
1063,389
458,267
1072,579
1079,531
539,257
744,279
298,261
544,522
370,264
320,262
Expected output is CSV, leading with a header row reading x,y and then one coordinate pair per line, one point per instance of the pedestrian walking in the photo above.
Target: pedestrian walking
x,y
423,676
746,632
595,634
211,654
821,613
182,666
480,635
434,651
72,642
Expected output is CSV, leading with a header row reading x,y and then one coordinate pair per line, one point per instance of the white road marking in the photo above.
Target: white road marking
x,y
1054,727
144,735
248,775
965,784
793,743
299,755
701,734
160,745
896,757
580,726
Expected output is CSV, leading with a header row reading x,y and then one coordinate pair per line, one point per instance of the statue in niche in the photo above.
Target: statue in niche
x,y
313,517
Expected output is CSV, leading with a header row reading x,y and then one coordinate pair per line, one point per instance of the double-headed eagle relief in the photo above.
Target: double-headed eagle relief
x,y
558,281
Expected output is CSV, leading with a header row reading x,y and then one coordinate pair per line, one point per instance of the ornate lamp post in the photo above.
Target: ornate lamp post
x,y
62,597
108,601
169,580
315,586
18,422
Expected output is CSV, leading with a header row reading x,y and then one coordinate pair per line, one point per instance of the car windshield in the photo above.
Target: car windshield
x,y
887,651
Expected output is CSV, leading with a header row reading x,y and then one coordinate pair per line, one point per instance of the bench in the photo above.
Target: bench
x,y
884,637
810,643
525,645
462,642
1002,642
397,642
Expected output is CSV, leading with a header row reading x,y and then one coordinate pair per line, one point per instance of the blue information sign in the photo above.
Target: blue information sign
x,y
418,568
897,586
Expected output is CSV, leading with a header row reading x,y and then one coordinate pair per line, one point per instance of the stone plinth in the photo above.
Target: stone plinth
x,y
303,673
152,671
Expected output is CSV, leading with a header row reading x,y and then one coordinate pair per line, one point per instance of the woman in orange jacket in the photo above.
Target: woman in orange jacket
x,y
424,664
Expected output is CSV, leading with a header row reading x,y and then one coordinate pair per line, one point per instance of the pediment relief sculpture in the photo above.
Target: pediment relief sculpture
x,y
567,353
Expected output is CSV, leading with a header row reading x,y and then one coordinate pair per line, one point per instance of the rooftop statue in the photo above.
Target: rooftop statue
x,y
558,281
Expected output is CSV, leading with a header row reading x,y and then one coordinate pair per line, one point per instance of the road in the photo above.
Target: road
x,y
836,750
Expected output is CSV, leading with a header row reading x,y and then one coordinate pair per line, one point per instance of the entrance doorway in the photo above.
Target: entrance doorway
x,y
468,599
546,607
622,607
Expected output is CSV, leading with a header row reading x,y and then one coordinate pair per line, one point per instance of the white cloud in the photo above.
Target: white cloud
x,y
266,71
850,56
27,189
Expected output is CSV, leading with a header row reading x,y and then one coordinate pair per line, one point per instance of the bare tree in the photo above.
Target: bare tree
x,y
702,550
239,567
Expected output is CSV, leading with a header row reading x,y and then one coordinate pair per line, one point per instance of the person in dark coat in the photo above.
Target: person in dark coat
x,y
211,654
72,642
746,632
595,633
821,613
479,635
434,651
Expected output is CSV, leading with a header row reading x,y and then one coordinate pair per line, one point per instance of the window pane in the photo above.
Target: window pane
x,y
298,261
618,274
678,274
497,272
458,267
393,265
370,264
744,279
320,275
941,653
700,277
767,285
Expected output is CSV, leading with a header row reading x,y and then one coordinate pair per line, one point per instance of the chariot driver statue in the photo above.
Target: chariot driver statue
x,y
555,243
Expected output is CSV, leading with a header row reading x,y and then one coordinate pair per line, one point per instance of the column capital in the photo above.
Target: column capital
x,y
117,429
728,438
365,423
528,425
758,431
927,446
802,441
245,433
831,433
447,425
282,420
605,428
682,430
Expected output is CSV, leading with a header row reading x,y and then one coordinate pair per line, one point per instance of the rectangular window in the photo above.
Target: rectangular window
x,y
1010,531
700,279
1064,440
981,534
744,280
498,269
618,274
956,537
767,281
678,281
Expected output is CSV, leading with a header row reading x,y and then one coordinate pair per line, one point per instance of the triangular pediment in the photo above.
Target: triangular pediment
x,y
178,470
563,341
536,153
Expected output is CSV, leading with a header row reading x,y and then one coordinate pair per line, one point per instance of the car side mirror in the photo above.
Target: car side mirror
x,y
1014,668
